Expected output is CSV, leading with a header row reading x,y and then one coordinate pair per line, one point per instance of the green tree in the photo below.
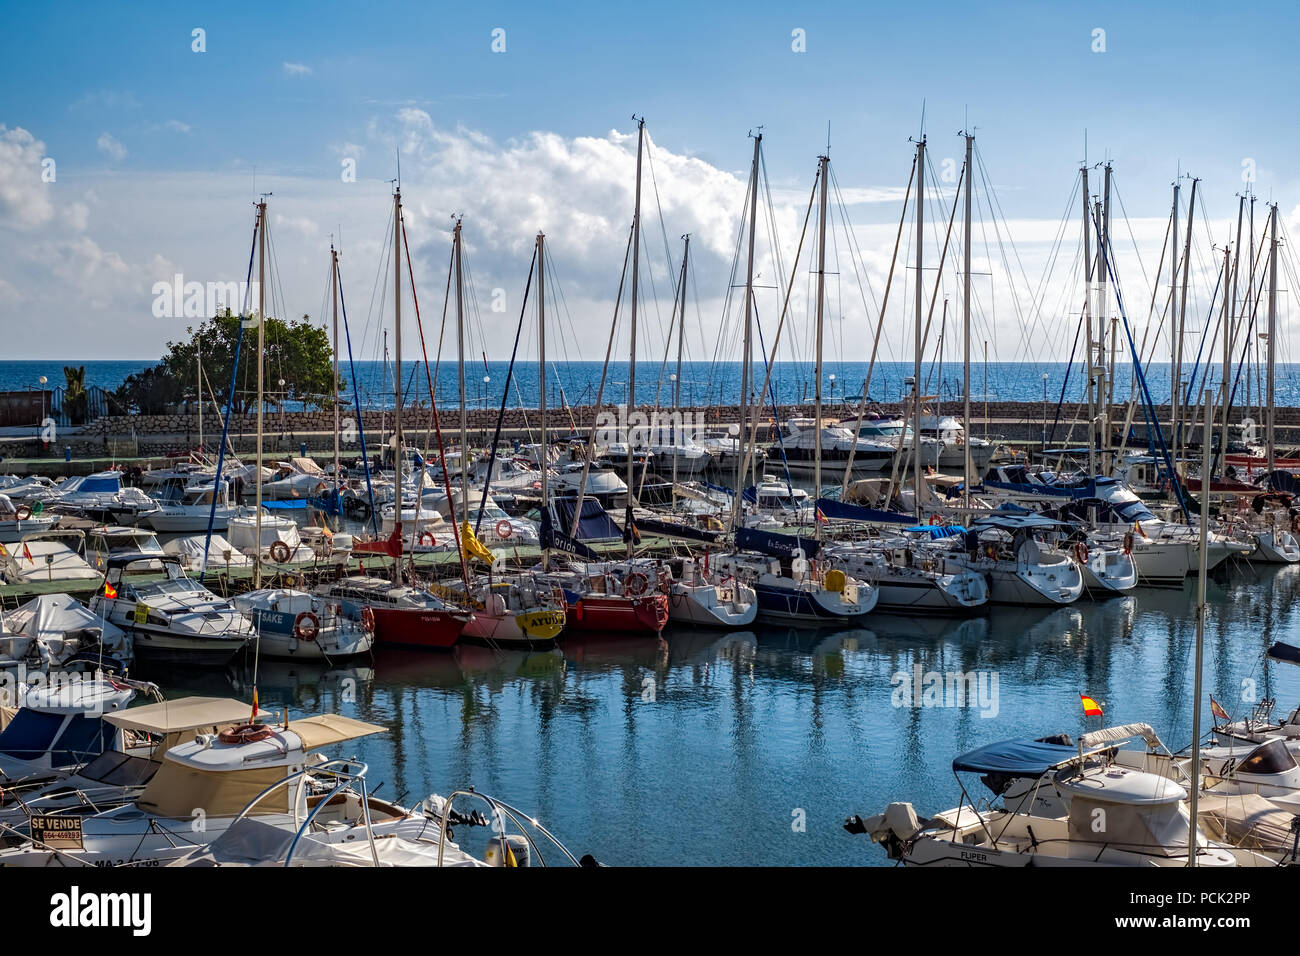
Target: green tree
x,y
147,393
296,351
74,394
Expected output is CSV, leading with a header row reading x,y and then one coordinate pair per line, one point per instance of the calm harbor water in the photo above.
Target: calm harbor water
x,y
706,747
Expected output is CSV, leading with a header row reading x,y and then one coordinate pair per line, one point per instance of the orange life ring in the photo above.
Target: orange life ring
x,y
432,541
1128,542
936,520
280,552
19,514
504,528
306,626
640,581
368,618
1081,552
245,734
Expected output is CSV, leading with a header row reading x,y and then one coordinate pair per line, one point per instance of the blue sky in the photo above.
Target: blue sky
x,y
290,88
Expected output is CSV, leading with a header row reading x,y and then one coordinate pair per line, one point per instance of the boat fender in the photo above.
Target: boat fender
x,y
306,626
1128,542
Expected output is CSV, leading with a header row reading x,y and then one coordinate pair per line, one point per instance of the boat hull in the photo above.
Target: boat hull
x,y
646,614
426,628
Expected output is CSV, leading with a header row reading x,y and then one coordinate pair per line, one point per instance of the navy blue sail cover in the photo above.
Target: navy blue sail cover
x,y
831,508
776,545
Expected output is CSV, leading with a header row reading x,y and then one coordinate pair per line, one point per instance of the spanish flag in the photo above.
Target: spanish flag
x,y
1090,707
254,702
820,516
110,592
3,552
27,553
1218,712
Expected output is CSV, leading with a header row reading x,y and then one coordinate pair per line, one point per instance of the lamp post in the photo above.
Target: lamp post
x,y
1044,414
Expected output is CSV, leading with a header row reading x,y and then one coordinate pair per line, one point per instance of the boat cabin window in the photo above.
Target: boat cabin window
x,y
1269,758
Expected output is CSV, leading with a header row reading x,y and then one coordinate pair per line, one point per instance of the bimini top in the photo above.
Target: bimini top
x,y
187,713
124,559
1025,758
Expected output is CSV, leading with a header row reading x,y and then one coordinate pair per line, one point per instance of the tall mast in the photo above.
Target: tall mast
x,y
1088,264
334,296
1223,385
198,381
261,327
399,454
681,336
631,366
1200,632
920,306
1182,323
746,367
1105,381
541,380
1229,334
823,162
460,364
1269,412
1173,321
966,467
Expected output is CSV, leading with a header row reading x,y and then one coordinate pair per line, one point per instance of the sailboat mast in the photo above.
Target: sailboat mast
x,y
334,297
966,464
631,365
823,162
681,337
1229,334
261,327
198,380
1200,631
747,364
460,363
1088,265
541,380
1173,322
398,454
1182,323
1105,379
1269,412
920,306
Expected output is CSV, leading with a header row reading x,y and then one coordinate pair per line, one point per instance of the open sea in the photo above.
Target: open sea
x,y
702,383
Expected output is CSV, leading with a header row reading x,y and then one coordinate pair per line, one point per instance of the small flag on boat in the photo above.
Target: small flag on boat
x,y
110,592
1090,707
1218,712
3,552
821,517
254,702
27,553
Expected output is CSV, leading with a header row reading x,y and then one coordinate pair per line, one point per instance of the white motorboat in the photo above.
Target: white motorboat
x,y
175,620
57,727
913,578
55,555
187,508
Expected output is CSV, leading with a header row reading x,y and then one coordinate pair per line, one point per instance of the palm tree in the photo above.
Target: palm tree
x,y
74,395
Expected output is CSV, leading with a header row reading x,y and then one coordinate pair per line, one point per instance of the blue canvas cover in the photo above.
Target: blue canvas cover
x,y
842,510
1027,758
776,545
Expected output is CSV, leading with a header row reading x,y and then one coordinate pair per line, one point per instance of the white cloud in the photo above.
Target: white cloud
x,y
110,147
296,69
177,126
24,198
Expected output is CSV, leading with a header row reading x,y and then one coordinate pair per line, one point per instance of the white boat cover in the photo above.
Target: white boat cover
x,y
55,618
190,551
